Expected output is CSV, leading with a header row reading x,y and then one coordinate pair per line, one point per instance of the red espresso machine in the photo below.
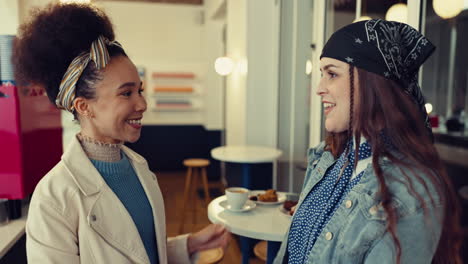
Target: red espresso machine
x,y
30,132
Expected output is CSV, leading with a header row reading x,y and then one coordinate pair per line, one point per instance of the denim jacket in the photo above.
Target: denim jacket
x,y
357,231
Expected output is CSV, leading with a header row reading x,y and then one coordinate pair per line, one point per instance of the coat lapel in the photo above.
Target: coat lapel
x,y
111,220
107,216
153,193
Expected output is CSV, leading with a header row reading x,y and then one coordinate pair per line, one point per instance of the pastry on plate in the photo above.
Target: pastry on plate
x,y
269,196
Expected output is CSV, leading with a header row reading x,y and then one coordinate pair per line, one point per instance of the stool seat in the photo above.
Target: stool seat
x,y
211,256
260,250
196,162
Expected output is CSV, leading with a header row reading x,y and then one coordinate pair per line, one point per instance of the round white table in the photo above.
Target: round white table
x,y
247,155
265,222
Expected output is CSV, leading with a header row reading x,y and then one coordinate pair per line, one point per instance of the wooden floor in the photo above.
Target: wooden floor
x,y
172,187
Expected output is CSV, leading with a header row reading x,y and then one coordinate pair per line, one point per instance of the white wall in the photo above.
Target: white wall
x,y
252,41
237,80
262,82
26,6
163,37
9,17
213,47
157,33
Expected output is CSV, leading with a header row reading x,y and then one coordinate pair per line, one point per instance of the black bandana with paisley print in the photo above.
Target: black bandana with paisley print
x,y
391,49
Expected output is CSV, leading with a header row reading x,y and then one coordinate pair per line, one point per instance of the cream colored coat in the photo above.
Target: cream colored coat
x,y
74,217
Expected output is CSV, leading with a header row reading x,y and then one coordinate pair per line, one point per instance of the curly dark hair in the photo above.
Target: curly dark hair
x,y
46,45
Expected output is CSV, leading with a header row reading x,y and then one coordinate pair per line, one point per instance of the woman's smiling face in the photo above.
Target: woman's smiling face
x,y
334,88
116,112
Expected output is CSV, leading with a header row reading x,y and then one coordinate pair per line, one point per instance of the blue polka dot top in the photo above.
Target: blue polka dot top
x,y
320,204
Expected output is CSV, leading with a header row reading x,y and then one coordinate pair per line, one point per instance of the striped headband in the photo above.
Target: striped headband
x,y
98,54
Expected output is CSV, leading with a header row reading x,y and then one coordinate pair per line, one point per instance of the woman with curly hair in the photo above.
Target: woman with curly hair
x,y
375,191
100,203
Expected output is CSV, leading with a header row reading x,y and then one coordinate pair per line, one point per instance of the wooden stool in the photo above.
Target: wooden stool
x,y
260,250
211,256
194,165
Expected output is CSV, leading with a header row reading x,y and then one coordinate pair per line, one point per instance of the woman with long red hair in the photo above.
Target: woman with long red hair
x,y
375,190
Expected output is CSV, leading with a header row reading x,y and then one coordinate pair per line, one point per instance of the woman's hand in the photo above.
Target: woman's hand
x,y
212,236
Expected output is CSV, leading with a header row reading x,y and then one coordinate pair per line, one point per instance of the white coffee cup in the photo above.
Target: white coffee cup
x,y
237,197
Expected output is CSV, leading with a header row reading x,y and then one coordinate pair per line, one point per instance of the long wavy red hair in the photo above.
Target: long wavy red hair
x,y
384,106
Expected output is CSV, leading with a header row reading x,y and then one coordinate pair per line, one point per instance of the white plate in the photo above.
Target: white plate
x,y
281,197
249,205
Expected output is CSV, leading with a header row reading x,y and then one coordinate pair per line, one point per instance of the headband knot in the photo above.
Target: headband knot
x,y
99,54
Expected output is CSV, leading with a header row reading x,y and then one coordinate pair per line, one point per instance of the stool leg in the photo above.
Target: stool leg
x,y
196,174
186,197
205,186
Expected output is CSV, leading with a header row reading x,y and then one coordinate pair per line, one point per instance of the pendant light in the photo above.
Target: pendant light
x,y
447,8
397,12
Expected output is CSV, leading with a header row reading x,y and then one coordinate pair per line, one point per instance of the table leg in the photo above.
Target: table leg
x,y
275,175
247,245
272,250
246,181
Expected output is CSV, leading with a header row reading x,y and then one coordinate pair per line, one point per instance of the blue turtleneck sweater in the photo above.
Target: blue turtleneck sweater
x,y
122,179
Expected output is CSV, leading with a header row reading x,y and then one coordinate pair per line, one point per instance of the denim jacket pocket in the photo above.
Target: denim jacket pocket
x,y
364,228
373,209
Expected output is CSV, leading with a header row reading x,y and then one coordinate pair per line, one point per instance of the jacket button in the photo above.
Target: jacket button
x,y
373,210
93,218
328,236
348,204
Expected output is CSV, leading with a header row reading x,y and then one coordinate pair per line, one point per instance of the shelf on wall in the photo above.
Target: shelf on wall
x,y
173,103
174,95
173,75
174,92
173,89
174,109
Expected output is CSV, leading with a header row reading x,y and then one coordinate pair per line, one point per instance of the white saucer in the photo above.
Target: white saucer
x,y
249,205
